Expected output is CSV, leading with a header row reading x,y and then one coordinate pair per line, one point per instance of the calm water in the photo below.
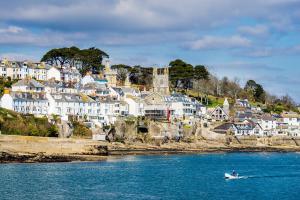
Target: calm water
x,y
271,176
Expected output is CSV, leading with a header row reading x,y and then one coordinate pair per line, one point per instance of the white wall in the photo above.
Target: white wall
x,y
87,79
53,73
7,102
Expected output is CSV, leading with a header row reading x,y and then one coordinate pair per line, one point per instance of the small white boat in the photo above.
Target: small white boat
x,y
230,176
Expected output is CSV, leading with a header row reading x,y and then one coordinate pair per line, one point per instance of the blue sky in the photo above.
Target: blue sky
x,y
254,39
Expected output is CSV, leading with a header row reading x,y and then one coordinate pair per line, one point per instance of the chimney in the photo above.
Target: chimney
x,y
6,91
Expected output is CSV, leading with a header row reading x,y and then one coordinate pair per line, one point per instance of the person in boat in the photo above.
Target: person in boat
x,y
234,173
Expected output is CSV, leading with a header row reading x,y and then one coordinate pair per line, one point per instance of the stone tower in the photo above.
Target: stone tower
x,y
161,80
127,82
226,106
110,75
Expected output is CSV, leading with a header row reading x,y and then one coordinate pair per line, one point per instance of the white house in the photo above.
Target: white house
x,y
110,109
218,114
21,70
70,75
181,106
244,103
37,70
247,128
25,102
291,118
135,105
75,105
95,89
7,100
54,73
268,124
87,79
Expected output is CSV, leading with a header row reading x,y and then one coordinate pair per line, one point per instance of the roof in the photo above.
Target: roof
x,y
212,110
72,71
51,83
267,117
290,115
243,115
72,98
129,90
95,86
29,64
246,125
29,83
27,96
118,90
175,97
224,127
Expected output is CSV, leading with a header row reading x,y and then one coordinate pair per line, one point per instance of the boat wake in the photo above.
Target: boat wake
x,y
269,176
277,176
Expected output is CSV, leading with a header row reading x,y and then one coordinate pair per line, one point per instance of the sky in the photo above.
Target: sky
x,y
249,39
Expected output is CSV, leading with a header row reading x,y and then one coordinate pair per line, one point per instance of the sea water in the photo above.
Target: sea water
x,y
268,176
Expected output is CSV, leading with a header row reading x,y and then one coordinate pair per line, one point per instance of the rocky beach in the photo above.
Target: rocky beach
x,y
40,149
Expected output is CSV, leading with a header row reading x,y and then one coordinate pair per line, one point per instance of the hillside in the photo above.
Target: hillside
x,y
12,123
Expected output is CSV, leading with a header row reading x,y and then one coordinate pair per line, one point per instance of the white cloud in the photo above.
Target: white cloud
x,y
217,42
17,56
140,15
257,30
11,29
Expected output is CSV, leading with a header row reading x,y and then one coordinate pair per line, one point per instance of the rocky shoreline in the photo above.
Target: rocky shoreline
x,y
10,157
28,149
13,157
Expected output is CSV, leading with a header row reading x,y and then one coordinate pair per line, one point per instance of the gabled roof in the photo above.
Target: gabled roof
x,y
267,117
216,108
28,96
95,86
224,127
29,83
243,115
62,97
118,90
246,125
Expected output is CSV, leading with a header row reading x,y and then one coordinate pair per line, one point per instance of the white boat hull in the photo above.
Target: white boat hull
x,y
229,176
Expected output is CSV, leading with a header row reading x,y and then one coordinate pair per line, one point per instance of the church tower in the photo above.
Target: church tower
x,y
226,106
110,75
127,82
161,80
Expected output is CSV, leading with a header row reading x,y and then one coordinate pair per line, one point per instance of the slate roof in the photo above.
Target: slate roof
x,y
72,98
223,128
29,83
27,96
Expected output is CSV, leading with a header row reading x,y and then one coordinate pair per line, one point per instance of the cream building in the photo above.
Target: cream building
x,y
54,73
110,75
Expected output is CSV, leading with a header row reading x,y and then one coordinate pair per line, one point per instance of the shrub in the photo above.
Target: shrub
x,y
81,130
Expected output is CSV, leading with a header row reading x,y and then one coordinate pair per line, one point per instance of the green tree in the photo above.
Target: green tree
x,y
181,74
121,75
200,72
250,85
259,93
90,59
201,76
256,91
61,56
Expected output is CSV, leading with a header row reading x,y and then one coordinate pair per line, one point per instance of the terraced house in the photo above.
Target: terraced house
x,y
21,70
